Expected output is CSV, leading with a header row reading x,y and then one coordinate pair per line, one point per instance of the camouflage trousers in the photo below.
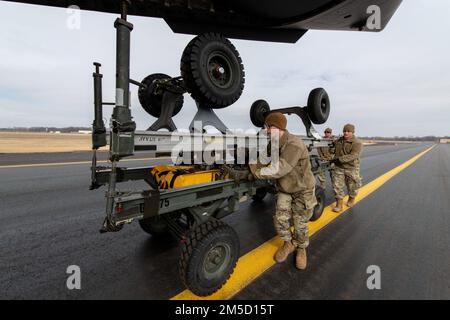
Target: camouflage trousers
x,y
322,177
294,210
349,178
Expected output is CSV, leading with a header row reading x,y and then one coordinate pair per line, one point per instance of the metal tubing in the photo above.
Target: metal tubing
x,y
110,194
98,126
123,62
123,127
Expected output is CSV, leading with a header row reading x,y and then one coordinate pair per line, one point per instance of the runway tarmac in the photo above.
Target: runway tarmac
x,y
50,220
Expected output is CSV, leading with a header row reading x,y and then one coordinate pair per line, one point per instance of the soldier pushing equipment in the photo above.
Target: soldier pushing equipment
x,y
346,167
296,183
325,154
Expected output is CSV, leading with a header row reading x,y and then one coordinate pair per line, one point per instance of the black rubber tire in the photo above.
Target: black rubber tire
x,y
318,106
318,209
151,101
258,112
156,226
205,238
260,194
201,54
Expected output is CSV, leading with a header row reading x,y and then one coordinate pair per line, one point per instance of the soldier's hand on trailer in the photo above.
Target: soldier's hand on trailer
x,y
237,175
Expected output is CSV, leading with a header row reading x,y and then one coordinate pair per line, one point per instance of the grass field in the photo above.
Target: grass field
x,y
27,142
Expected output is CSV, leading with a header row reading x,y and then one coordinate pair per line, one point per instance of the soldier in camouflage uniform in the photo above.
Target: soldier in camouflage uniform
x,y
295,181
325,154
346,167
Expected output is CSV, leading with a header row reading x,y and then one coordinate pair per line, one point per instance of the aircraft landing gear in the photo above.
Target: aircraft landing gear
x,y
151,94
162,97
211,71
316,111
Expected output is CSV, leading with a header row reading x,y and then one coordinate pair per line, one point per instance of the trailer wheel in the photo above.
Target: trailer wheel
x,y
260,194
318,106
318,209
208,257
150,97
258,112
212,70
156,226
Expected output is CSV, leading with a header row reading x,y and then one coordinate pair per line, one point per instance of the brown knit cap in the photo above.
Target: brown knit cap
x,y
276,119
349,127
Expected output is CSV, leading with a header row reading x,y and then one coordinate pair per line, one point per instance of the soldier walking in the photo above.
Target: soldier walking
x,y
346,172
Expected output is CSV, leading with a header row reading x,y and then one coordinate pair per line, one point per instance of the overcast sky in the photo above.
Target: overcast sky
x,y
396,82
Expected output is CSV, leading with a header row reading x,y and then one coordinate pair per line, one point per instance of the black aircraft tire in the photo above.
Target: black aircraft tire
x,y
155,226
150,100
208,257
212,70
318,209
258,112
318,106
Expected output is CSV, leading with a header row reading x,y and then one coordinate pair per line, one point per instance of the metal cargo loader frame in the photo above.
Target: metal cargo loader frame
x,y
191,213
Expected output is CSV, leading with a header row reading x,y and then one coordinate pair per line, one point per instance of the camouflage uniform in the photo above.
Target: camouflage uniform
x,y
346,170
296,198
297,207
325,154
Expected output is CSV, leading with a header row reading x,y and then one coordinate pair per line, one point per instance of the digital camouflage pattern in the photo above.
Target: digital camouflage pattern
x,y
346,177
293,172
296,184
294,210
325,154
346,170
348,152
322,178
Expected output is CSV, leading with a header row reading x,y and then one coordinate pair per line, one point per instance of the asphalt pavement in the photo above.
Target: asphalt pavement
x,y
49,220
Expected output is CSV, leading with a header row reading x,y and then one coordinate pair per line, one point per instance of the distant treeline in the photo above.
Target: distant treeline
x,y
76,129
45,129
426,138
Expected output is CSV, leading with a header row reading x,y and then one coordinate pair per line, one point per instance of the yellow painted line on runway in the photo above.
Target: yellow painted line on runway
x,y
251,265
50,164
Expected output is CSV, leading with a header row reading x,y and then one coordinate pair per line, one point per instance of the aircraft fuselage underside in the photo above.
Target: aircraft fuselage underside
x,y
279,21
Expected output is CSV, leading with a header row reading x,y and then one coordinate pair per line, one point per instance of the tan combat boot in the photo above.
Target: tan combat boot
x,y
300,259
283,252
338,206
351,202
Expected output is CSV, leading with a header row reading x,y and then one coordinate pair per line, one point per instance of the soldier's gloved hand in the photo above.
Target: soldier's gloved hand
x,y
227,170
237,175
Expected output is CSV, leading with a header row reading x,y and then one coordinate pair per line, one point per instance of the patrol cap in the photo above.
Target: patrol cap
x,y
328,130
349,127
276,119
